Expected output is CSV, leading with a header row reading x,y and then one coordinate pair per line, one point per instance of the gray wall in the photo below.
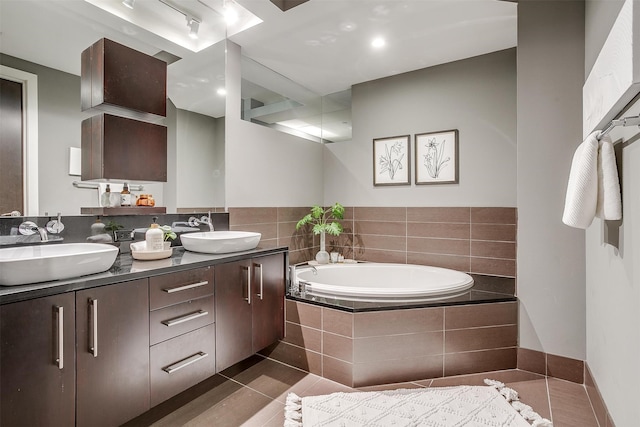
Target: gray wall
x,y
612,260
551,262
477,96
59,118
200,160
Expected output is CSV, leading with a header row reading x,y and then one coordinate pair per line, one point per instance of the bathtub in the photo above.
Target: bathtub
x,y
381,282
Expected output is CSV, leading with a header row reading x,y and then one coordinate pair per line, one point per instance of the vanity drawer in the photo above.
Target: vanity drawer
x,y
173,288
179,319
182,362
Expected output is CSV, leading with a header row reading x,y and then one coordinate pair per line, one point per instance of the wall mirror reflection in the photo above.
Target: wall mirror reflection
x,y
48,50
273,100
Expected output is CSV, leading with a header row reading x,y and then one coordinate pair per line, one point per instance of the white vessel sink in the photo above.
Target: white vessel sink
x,y
31,264
220,242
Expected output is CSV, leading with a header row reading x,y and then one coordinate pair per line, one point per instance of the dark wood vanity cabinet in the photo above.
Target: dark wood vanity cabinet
x,y
268,300
105,355
112,334
182,329
249,307
37,362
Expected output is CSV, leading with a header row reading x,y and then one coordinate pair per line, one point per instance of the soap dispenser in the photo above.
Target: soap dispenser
x,y
154,237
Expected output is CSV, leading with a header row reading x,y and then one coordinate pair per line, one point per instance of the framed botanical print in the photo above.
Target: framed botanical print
x,y
437,157
391,160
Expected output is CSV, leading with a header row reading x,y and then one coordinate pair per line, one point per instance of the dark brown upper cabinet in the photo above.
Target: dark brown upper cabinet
x,y
121,80
124,149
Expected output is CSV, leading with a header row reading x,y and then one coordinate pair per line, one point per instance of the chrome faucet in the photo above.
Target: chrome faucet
x,y
207,220
195,222
28,228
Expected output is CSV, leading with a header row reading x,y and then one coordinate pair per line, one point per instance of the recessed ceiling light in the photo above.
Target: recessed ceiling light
x,y
378,42
221,91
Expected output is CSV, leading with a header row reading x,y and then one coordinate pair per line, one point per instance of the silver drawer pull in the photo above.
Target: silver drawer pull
x,y
60,337
185,287
93,331
186,318
185,362
257,265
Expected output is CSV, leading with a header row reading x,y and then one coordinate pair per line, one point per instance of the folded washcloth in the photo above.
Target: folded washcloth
x,y
582,190
609,206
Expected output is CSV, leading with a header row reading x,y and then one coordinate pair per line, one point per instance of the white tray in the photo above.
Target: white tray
x,y
150,255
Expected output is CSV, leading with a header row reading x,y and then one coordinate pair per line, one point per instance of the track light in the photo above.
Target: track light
x,y
193,25
129,3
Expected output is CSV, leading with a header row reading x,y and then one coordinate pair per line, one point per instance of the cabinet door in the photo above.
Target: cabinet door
x,y
37,362
112,353
233,300
268,300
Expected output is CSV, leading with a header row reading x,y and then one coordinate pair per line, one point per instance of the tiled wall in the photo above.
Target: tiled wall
x,y
470,239
359,349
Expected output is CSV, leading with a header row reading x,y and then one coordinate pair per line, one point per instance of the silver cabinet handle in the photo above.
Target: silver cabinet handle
x,y
185,362
186,318
185,287
248,298
60,337
261,281
93,332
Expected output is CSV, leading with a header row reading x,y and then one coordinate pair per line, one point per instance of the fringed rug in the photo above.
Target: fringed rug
x,y
494,405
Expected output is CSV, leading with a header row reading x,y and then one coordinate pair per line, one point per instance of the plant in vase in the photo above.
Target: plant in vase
x,y
324,221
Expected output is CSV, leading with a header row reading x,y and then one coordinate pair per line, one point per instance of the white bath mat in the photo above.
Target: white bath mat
x,y
494,405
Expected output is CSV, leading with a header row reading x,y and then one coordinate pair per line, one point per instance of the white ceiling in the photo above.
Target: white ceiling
x,y
323,45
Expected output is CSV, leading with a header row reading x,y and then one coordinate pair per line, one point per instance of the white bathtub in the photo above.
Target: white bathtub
x,y
381,282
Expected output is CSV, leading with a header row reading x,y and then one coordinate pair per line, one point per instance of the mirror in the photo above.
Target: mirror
x,y
57,34
275,101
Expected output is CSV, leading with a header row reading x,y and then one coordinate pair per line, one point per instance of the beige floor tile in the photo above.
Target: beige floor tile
x,y
570,406
276,421
244,407
533,393
189,405
325,386
273,379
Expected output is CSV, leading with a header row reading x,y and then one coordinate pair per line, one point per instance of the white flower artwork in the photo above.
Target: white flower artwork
x,y
391,161
437,157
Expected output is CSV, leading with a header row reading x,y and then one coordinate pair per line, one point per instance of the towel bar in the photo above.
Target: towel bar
x,y
625,121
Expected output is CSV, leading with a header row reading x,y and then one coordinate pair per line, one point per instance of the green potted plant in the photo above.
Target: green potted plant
x,y
324,221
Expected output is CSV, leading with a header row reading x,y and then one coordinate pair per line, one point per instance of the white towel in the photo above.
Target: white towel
x,y
594,188
609,206
582,190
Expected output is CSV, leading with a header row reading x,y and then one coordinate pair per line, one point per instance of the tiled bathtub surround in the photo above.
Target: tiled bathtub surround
x,y
367,348
470,239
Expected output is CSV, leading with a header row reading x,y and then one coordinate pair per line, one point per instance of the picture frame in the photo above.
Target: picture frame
x,y
436,157
392,160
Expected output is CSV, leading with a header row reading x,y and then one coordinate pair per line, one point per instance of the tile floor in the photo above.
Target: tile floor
x,y
253,392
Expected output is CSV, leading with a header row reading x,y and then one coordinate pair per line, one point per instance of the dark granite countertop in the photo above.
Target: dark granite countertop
x,y
125,268
486,289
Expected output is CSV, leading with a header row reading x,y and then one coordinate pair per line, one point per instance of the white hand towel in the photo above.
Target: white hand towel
x,y
609,206
582,189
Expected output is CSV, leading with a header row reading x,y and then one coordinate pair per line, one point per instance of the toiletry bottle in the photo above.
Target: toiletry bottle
x,y
125,196
97,227
105,199
154,237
